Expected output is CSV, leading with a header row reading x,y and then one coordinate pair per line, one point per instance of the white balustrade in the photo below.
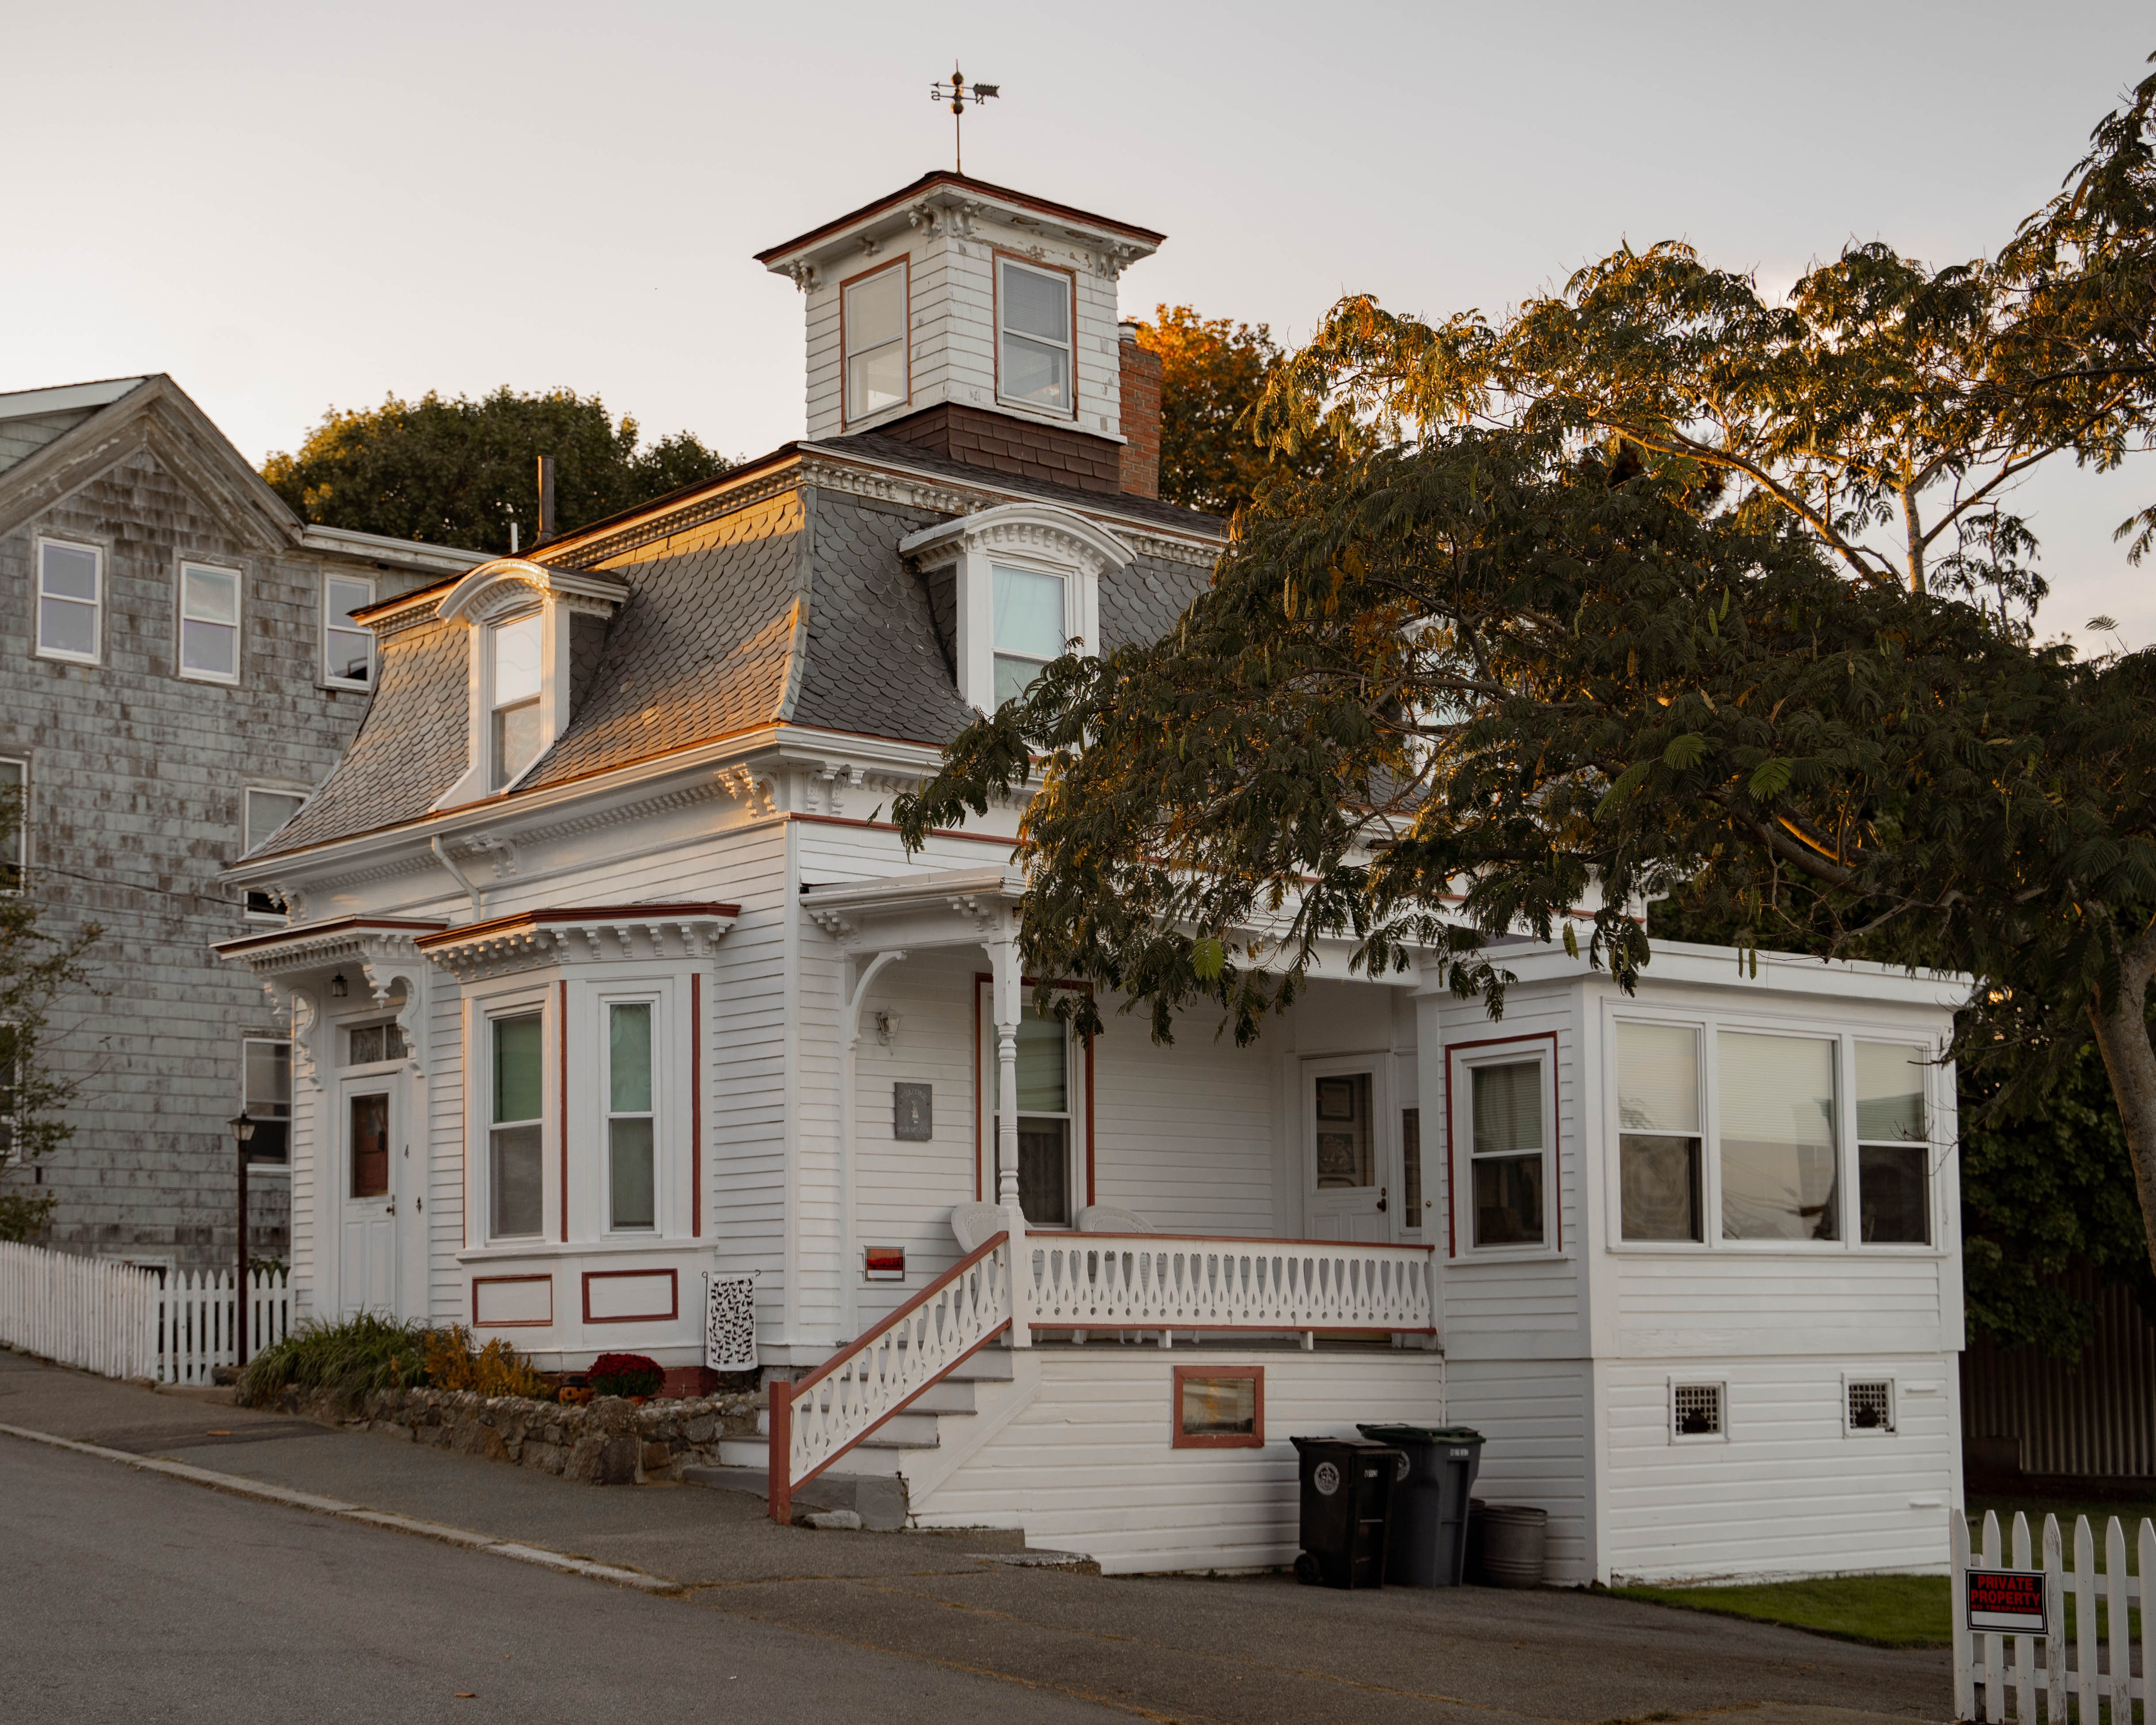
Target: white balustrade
x,y
819,1419
1150,1282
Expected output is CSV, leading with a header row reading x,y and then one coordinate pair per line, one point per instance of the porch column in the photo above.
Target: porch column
x,y
1006,1000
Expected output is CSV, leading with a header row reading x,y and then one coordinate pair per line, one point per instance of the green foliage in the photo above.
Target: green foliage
x,y
451,1359
1213,372
344,1360
459,472
1878,1611
37,970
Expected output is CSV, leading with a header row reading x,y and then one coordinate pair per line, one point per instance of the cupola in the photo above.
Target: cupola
x,y
975,322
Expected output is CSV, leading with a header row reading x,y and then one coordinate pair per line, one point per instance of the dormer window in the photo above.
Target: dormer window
x,y
1020,583
1032,623
514,735
1034,318
873,314
526,622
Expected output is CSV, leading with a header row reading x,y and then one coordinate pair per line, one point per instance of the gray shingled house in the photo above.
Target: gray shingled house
x,y
179,667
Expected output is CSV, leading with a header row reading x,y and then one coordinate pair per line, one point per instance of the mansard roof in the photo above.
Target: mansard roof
x,y
775,596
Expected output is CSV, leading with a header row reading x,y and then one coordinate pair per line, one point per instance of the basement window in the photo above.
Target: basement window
x,y
1696,1413
1867,1405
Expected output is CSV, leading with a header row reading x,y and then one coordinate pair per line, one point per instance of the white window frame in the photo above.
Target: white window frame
x,y
330,680
1461,1059
1075,1074
96,654
20,862
483,1012
604,1000
1893,1425
854,415
189,566
1845,1034
1922,1059
1069,280
1073,621
1721,1388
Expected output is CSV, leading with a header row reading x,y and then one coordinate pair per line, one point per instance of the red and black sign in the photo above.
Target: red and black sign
x,y
2011,1600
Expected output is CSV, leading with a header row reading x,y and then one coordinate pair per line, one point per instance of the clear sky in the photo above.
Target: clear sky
x,y
293,205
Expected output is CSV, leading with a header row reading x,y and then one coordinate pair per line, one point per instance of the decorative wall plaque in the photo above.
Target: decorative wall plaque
x,y
913,1112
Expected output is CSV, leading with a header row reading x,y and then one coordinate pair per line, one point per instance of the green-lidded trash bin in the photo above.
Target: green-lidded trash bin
x,y
1346,1496
1427,1544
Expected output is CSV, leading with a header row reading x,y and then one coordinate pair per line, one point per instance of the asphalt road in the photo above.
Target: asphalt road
x,y
132,1598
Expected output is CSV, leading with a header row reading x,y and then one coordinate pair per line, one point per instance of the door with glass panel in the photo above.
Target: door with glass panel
x,y
1048,1088
366,1177
1347,1193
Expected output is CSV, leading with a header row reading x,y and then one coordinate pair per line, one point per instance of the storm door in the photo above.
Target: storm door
x,y
1347,1193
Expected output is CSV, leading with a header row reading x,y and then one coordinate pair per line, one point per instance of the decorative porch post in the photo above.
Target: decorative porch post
x,y
1007,993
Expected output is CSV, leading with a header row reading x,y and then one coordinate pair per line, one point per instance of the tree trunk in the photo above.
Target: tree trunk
x,y
1914,528
2122,1036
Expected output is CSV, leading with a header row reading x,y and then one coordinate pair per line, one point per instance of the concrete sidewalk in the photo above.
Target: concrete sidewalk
x,y
1261,1649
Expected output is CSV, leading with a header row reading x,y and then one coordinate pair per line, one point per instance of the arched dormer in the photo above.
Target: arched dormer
x,y
1011,587
530,626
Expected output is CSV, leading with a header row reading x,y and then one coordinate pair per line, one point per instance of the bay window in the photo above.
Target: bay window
x,y
1777,1149
632,1188
1658,1168
516,1152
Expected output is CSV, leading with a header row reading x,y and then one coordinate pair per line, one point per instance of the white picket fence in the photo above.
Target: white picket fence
x,y
119,1321
1998,1677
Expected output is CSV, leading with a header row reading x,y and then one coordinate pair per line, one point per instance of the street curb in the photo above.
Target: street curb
x,y
386,1519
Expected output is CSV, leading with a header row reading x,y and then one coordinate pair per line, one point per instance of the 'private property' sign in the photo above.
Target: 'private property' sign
x,y
2011,1599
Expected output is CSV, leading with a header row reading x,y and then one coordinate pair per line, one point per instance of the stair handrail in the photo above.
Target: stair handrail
x,y
906,1371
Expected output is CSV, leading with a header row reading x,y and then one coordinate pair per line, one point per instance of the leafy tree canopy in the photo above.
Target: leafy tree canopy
x,y
1213,372
459,472
1653,590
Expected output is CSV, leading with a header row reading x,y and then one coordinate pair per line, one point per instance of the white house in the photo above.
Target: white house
x,y
606,975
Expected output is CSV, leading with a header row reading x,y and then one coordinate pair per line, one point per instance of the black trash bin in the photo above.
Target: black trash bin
x,y
1347,1495
1427,1544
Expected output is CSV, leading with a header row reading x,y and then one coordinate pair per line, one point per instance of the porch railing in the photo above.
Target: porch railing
x,y
1165,1282
817,1420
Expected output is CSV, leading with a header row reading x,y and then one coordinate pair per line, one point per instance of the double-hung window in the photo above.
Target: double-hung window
x,y
516,1150
1044,1119
513,718
266,1081
1032,623
70,601
1893,1152
1033,343
631,1185
209,623
1506,1154
14,824
347,646
1658,1142
874,313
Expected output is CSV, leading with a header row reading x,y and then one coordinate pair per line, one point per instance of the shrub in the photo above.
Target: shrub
x,y
624,1374
452,1363
344,1360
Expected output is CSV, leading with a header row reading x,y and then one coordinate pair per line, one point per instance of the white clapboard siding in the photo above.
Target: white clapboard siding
x,y
2001,1676
1534,1417
81,1312
1087,1463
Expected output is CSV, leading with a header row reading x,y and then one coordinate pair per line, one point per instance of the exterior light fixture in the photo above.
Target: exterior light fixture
x,y
339,987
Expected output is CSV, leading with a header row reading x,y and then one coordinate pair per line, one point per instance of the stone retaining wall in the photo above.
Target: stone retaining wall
x,y
611,1441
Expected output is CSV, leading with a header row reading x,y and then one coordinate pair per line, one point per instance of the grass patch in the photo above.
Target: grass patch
x,y
1878,1611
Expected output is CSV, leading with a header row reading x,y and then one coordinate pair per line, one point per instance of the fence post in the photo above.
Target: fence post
x,y
2084,1601
2025,1646
778,1395
1965,1699
2055,1634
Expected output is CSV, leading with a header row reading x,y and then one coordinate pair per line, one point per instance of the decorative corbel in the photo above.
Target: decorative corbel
x,y
804,275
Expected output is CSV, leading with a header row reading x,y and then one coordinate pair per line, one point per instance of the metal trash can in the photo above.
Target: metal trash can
x,y
1515,1544
1347,1496
1427,1546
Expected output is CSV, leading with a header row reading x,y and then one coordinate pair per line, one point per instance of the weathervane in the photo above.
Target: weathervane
x,y
957,92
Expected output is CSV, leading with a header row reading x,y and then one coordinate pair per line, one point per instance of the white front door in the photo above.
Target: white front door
x,y
366,1182
1346,1191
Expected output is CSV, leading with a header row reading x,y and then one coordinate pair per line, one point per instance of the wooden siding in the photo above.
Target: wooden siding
x,y
1536,1419
1088,1464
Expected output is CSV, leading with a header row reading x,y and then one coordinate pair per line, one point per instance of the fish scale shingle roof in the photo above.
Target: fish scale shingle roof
x,y
704,646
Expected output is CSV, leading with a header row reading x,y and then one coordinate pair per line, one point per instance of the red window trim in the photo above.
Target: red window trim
x,y
1181,1440
674,1296
996,257
518,1323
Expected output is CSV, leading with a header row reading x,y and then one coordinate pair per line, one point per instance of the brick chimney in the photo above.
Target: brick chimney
x,y
1141,414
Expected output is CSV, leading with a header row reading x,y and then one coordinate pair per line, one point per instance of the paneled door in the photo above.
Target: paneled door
x,y
1347,1194
367,1176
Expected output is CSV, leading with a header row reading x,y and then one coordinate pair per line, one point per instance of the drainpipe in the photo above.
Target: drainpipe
x,y
457,874
849,1105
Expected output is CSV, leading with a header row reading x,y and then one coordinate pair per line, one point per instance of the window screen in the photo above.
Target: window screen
x,y
1033,349
1777,1140
874,316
